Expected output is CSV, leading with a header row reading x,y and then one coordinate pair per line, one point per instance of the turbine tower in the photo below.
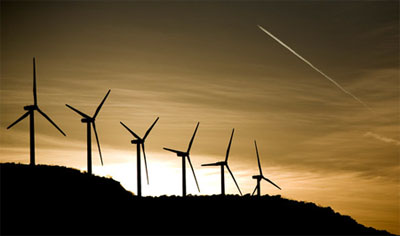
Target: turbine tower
x,y
91,121
140,142
30,112
260,176
185,155
223,164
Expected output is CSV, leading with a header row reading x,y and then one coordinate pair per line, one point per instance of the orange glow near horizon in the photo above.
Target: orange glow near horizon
x,y
165,170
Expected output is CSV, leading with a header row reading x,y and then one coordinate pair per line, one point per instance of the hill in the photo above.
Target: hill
x,y
59,200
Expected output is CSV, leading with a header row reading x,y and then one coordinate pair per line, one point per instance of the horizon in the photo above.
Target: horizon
x,y
189,62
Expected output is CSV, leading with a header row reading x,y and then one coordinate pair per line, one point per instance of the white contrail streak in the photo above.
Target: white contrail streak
x,y
382,138
315,68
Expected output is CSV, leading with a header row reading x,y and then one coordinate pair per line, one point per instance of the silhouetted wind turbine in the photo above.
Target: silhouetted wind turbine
x,y
184,155
91,120
223,164
260,176
140,142
30,112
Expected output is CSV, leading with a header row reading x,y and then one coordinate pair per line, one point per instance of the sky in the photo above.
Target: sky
x,y
190,61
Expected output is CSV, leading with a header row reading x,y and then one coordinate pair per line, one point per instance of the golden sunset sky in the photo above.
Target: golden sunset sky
x,y
190,61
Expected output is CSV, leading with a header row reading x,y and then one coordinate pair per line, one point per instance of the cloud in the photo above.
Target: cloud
x,y
382,138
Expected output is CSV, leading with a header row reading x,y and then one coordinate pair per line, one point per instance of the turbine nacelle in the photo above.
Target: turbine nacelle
x,y
87,120
31,107
258,177
222,163
182,154
137,141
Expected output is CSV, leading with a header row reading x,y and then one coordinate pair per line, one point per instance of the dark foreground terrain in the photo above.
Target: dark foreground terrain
x,y
59,200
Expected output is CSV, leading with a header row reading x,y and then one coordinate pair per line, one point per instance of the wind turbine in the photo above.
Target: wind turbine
x,y
91,121
30,112
140,142
260,176
223,164
184,155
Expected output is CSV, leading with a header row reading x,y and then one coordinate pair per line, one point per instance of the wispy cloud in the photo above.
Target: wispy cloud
x,y
382,138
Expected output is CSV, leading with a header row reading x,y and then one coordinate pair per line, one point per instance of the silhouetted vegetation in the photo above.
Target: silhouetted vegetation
x,y
59,200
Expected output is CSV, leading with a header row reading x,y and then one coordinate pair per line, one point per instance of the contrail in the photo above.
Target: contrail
x,y
382,138
315,68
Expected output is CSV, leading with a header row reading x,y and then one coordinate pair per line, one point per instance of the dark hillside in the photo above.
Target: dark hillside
x,y
59,200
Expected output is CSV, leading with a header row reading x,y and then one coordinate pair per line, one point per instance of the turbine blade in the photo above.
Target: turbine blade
x,y
101,104
254,191
19,119
34,82
194,134
130,131
98,143
151,127
272,183
77,111
172,150
191,166
48,118
229,146
233,177
258,158
211,164
145,163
